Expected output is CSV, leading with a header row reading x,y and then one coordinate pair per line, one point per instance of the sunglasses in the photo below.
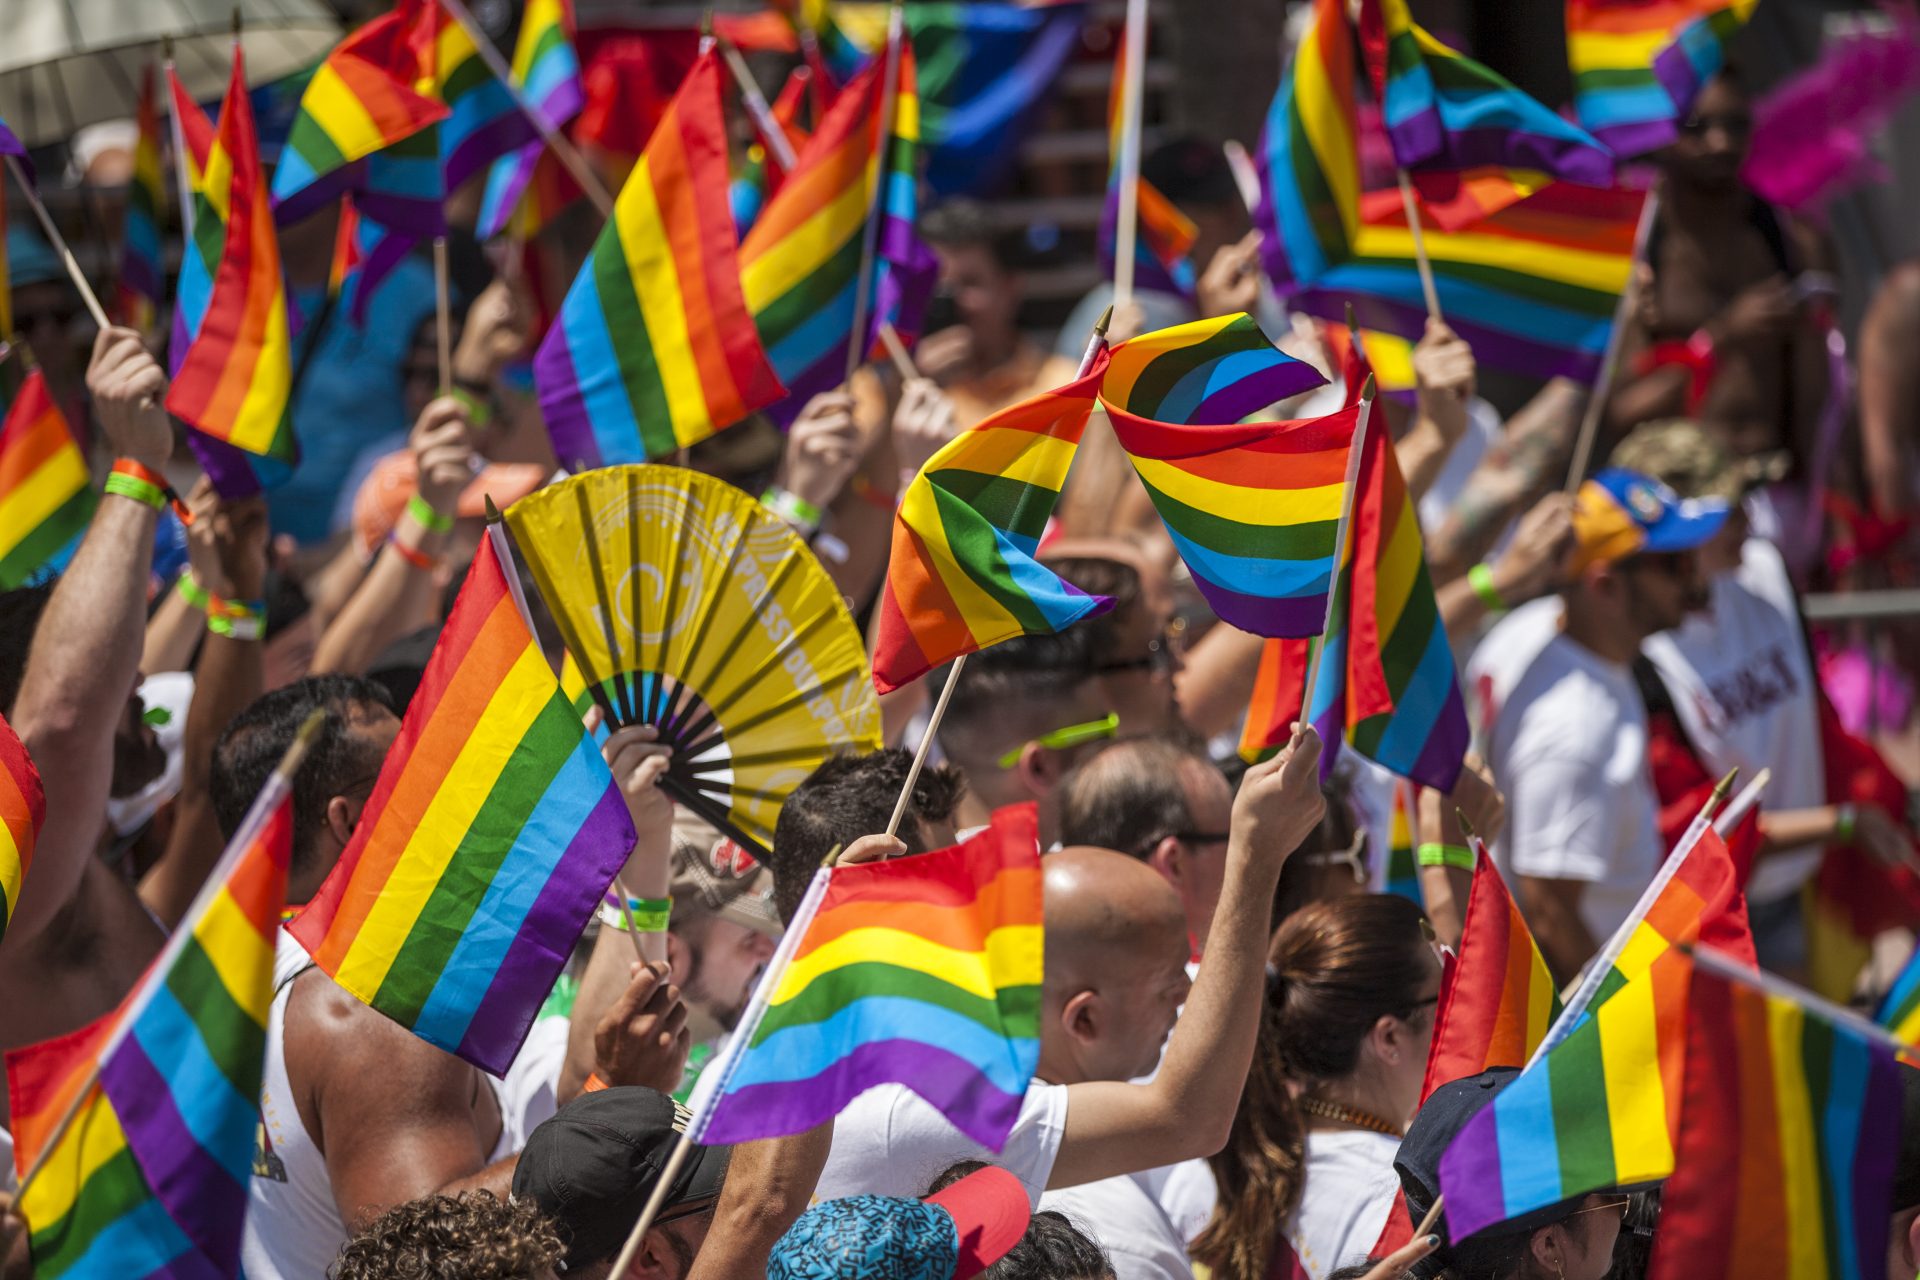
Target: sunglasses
x,y
1187,837
1072,736
1160,655
1620,1204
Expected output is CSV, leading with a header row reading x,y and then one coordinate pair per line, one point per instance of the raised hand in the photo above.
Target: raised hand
x,y
642,1038
128,386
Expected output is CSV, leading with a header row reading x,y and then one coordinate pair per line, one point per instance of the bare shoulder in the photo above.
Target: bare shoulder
x,y
339,1047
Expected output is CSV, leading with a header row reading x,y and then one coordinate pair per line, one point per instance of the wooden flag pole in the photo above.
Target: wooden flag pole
x,y
1340,534
1412,207
876,204
442,314
1609,361
59,243
1725,966
563,150
770,131
1432,1216
1127,228
897,351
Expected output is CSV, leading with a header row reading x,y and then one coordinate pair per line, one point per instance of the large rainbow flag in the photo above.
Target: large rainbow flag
x,y
548,73
1601,1106
653,349
492,832
962,574
235,379
1163,236
1638,64
46,494
150,1178
1900,1011
921,971
1789,1138
1499,998
23,808
1533,288
360,101
1472,143
1252,509
138,288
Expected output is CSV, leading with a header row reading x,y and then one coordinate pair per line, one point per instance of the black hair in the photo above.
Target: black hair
x,y
961,223
258,737
20,611
1130,796
1191,171
847,797
1015,685
1100,576
287,602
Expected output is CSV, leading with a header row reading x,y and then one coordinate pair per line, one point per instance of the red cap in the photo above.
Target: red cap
x,y
990,1213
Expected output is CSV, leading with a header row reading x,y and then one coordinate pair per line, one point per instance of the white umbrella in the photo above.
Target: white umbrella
x,y
66,64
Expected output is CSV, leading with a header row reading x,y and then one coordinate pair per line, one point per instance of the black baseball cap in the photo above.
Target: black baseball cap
x,y
592,1166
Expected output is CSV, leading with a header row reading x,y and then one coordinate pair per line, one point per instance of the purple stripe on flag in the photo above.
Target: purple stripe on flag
x,y
1541,358
546,937
950,1083
1470,1174
1247,396
1570,159
319,193
1445,751
10,145
563,403
228,467
1418,138
1877,1155
484,145
1264,616
1637,138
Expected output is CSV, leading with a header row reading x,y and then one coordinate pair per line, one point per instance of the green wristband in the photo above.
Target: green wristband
x,y
126,486
1444,855
479,412
192,592
1480,578
1845,822
426,517
791,507
642,915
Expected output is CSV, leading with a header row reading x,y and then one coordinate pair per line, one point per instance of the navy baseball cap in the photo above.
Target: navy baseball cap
x,y
953,1234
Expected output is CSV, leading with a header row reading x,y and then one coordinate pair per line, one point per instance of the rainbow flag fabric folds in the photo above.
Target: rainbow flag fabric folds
x,y
1533,288
1789,1137
235,379
46,494
1252,509
23,808
1900,1011
1638,64
1471,142
483,121
548,72
150,1179
1163,236
904,268
137,291
1499,998
360,101
492,832
921,971
653,349
963,574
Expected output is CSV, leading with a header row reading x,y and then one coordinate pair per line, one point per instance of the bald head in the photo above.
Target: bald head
x,y
1099,901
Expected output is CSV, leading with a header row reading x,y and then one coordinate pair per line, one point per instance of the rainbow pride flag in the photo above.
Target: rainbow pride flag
x,y
1533,288
10,145
1499,998
1471,142
921,971
962,574
150,1179
1900,1011
548,73
1789,1138
653,349
23,808
1252,509
46,494
904,268
492,832
1163,236
761,173
1600,1107
138,289
1638,64
483,121
235,379
360,101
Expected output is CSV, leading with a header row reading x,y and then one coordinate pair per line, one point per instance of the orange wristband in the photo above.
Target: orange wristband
x,y
594,1083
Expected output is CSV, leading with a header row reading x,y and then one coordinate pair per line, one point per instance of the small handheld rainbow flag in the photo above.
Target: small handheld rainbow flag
x,y
23,808
10,145
653,349
548,73
921,971
235,380
149,1175
492,832
1900,1011
1789,1139
46,495
137,291
1164,236
962,573
1638,64
483,120
1254,510
1471,142
1499,998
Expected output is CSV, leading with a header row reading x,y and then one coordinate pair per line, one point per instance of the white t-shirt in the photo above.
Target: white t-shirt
x,y
1349,1191
1126,1218
890,1143
1743,687
1567,742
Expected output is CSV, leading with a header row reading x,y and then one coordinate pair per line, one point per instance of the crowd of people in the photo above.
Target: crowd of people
x,y
1238,1003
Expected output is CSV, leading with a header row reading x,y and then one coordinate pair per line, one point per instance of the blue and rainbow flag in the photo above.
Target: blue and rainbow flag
x,y
548,72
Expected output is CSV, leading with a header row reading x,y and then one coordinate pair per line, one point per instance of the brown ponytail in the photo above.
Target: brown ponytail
x,y
1335,968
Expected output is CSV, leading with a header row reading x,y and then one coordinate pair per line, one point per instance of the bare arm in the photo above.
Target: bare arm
x,y
171,633
1185,1112
1890,390
1218,679
769,1185
1529,460
86,650
1531,565
1444,377
1552,908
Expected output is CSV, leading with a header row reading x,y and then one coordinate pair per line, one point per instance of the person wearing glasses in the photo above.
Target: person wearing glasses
x,y
1561,715
1352,988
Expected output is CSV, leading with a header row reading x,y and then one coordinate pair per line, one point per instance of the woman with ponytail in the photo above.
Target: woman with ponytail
x,y
1307,1174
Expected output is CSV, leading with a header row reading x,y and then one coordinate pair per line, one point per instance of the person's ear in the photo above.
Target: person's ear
x,y
679,957
1166,858
656,1260
1910,1237
1080,1017
1389,1038
1039,768
1548,1247
341,819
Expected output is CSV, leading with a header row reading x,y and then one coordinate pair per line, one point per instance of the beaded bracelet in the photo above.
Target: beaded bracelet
x,y
412,555
1480,578
1444,855
792,508
426,517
